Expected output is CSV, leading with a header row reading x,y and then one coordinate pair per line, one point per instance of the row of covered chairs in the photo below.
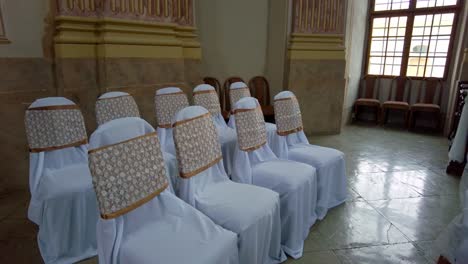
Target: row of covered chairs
x,y
164,195
428,98
259,89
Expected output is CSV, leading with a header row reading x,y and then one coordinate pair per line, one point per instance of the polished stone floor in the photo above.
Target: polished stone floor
x,y
399,200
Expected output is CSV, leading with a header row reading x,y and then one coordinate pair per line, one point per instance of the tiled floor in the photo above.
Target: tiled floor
x,y
399,200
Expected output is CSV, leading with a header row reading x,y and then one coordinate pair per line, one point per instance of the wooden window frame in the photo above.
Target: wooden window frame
x,y
411,12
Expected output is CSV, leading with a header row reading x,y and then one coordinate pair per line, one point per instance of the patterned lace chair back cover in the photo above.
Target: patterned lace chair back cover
x,y
250,124
168,101
127,174
196,141
206,96
114,105
54,123
237,91
287,113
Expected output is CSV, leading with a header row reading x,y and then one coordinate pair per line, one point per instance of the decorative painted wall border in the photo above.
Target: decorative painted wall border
x,y
317,30
167,11
316,46
319,16
78,37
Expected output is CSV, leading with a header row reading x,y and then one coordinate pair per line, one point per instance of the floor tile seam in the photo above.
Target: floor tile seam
x,y
390,221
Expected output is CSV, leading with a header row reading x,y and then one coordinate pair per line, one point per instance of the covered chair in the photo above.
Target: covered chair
x,y
295,182
227,86
428,101
368,96
251,212
452,242
205,95
398,98
330,163
115,105
260,89
239,90
168,101
63,203
221,95
141,220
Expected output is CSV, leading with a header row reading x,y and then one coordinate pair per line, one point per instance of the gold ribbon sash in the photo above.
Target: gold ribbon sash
x,y
54,127
197,144
128,174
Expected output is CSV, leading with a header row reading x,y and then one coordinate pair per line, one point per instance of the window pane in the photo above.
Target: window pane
x,y
429,44
433,3
386,47
382,5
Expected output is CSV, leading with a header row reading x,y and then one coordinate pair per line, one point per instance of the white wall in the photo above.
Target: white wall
x,y
233,35
355,48
278,30
24,26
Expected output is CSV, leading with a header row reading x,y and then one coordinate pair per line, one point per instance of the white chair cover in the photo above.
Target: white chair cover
x,y
457,150
239,90
162,230
251,212
63,202
168,101
227,135
295,182
330,163
113,105
204,95
452,242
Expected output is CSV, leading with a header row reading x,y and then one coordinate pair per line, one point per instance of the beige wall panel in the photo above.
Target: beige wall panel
x,y
233,35
355,51
319,86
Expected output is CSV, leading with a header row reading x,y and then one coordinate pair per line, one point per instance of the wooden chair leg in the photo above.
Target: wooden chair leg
x,y
443,260
407,112
382,116
438,121
411,120
377,114
355,113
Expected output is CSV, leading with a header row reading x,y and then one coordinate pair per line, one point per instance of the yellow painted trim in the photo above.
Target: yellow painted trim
x,y
107,37
316,55
138,51
4,41
75,50
192,53
76,19
316,47
337,38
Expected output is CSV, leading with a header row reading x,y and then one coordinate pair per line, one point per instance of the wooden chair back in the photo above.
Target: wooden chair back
x,y
369,87
219,89
260,89
400,89
226,85
430,91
